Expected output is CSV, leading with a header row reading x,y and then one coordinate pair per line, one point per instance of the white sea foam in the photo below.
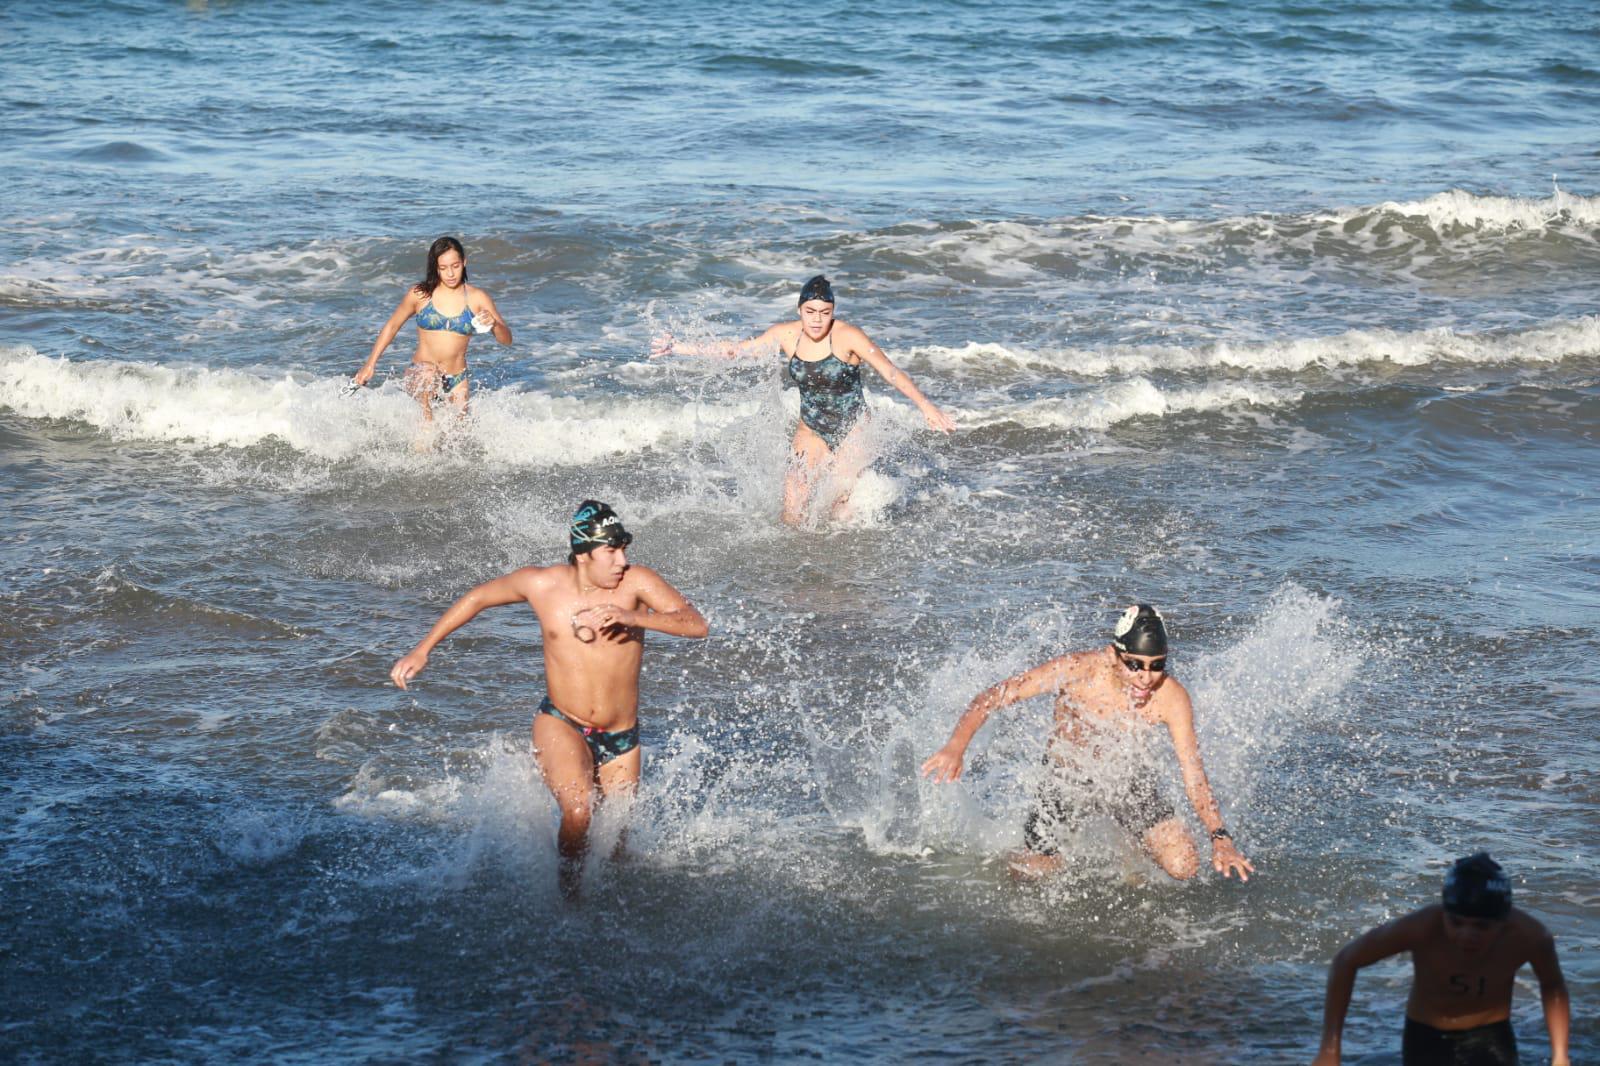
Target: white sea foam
x,y
1458,209
512,426
236,409
1444,347
1105,406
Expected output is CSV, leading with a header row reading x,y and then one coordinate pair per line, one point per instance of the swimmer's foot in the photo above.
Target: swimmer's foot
x,y
1031,866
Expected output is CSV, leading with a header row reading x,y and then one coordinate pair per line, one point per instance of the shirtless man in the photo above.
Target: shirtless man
x,y
593,612
1123,685
1465,954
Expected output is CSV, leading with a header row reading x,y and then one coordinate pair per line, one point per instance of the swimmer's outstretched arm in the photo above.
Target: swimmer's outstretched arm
x,y
515,587
665,609
409,306
1226,858
873,356
766,344
945,764
1553,997
1375,945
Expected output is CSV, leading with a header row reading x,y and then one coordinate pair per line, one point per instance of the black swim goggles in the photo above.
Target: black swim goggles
x,y
1133,666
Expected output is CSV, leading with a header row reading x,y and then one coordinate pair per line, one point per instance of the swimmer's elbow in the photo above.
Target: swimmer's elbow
x,y
1346,961
693,624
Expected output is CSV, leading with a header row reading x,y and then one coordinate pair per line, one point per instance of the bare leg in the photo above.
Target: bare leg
x,y
422,382
848,463
459,397
568,772
1169,845
619,778
810,455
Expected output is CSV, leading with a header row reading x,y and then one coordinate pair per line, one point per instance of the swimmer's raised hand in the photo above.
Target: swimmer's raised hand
x,y
408,667
662,344
944,765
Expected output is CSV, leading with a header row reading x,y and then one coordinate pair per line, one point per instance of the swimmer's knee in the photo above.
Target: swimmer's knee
x,y
1172,850
1183,866
1181,863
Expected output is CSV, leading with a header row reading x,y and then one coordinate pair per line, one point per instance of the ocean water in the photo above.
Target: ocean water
x,y
1284,316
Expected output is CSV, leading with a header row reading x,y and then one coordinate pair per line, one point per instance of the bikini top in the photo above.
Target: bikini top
x,y
830,374
430,317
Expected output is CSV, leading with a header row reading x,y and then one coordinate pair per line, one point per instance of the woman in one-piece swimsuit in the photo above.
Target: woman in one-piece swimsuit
x,y
439,367
823,358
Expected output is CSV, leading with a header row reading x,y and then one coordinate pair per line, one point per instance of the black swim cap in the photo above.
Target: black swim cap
x,y
1476,887
594,524
1140,631
818,288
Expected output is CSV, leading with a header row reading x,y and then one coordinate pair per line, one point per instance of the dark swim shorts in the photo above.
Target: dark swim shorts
x,y
1485,1045
1136,804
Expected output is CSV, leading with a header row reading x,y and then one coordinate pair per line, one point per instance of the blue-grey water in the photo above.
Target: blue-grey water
x,y
1280,315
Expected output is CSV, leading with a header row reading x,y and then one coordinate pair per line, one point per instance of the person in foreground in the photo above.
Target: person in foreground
x,y
1465,954
593,613
1099,694
448,312
824,358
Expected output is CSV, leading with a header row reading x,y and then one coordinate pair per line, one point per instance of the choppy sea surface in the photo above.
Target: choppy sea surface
x,y
1284,316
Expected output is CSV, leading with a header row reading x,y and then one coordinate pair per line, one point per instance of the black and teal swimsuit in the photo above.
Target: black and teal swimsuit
x,y
603,746
830,393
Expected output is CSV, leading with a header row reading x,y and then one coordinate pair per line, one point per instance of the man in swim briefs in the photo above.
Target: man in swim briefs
x,y
593,612
1103,695
1465,953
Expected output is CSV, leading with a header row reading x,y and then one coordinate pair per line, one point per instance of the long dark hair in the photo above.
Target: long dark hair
x,y
431,280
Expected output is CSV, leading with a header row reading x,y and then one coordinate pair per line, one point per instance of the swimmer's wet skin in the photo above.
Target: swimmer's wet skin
x,y
1123,684
593,612
1465,953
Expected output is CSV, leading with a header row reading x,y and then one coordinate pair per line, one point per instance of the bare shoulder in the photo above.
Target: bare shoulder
x,y
1529,931
644,577
539,578
854,334
1422,921
1173,699
852,338
784,334
1078,664
1409,931
1070,670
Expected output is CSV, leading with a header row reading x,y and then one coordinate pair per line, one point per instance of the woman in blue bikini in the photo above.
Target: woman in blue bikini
x,y
448,313
823,358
